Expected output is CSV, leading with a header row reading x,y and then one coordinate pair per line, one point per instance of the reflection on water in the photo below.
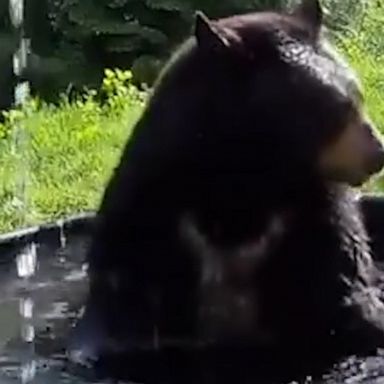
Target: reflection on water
x,y
42,290
42,293
26,261
26,268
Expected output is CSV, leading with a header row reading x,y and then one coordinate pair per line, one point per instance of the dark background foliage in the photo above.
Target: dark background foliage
x,y
72,41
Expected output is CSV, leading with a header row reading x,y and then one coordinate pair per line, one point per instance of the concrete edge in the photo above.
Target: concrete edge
x,y
79,224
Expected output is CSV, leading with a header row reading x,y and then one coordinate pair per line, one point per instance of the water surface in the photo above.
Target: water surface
x,y
42,293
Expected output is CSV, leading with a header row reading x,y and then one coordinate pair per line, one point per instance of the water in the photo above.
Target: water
x,y
21,95
43,289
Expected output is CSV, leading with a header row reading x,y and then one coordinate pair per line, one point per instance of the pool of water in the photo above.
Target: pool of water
x,y
42,291
43,287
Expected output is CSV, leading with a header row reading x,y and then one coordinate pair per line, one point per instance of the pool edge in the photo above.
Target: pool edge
x,y
78,224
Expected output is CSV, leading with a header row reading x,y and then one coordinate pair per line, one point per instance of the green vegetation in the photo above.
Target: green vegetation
x,y
363,46
75,144
72,41
73,149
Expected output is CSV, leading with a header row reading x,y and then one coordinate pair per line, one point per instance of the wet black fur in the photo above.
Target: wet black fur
x,y
232,139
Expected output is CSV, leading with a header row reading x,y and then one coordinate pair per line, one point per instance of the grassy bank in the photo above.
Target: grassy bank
x,y
73,149
363,46
74,146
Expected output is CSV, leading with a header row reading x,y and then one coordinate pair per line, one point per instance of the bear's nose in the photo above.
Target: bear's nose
x,y
376,161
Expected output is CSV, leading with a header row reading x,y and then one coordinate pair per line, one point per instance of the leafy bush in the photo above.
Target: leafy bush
x,y
118,91
74,40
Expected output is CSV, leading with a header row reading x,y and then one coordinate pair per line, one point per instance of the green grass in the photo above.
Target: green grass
x,y
73,147
363,46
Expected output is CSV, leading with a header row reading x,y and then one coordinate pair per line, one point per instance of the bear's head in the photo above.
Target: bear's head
x,y
285,98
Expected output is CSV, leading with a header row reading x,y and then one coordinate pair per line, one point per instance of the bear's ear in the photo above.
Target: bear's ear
x,y
311,12
211,36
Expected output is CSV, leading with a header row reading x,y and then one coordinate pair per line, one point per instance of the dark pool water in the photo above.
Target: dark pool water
x,y
42,292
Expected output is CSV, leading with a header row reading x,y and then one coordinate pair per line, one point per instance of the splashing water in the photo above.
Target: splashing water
x,y
28,363
21,95
26,260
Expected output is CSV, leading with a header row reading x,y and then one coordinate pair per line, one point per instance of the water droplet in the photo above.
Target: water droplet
x,y
28,333
16,12
21,93
85,267
28,371
63,239
26,261
20,58
76,275
26,308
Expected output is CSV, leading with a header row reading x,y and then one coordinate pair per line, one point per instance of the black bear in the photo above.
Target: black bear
x,y
230,223
372,208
